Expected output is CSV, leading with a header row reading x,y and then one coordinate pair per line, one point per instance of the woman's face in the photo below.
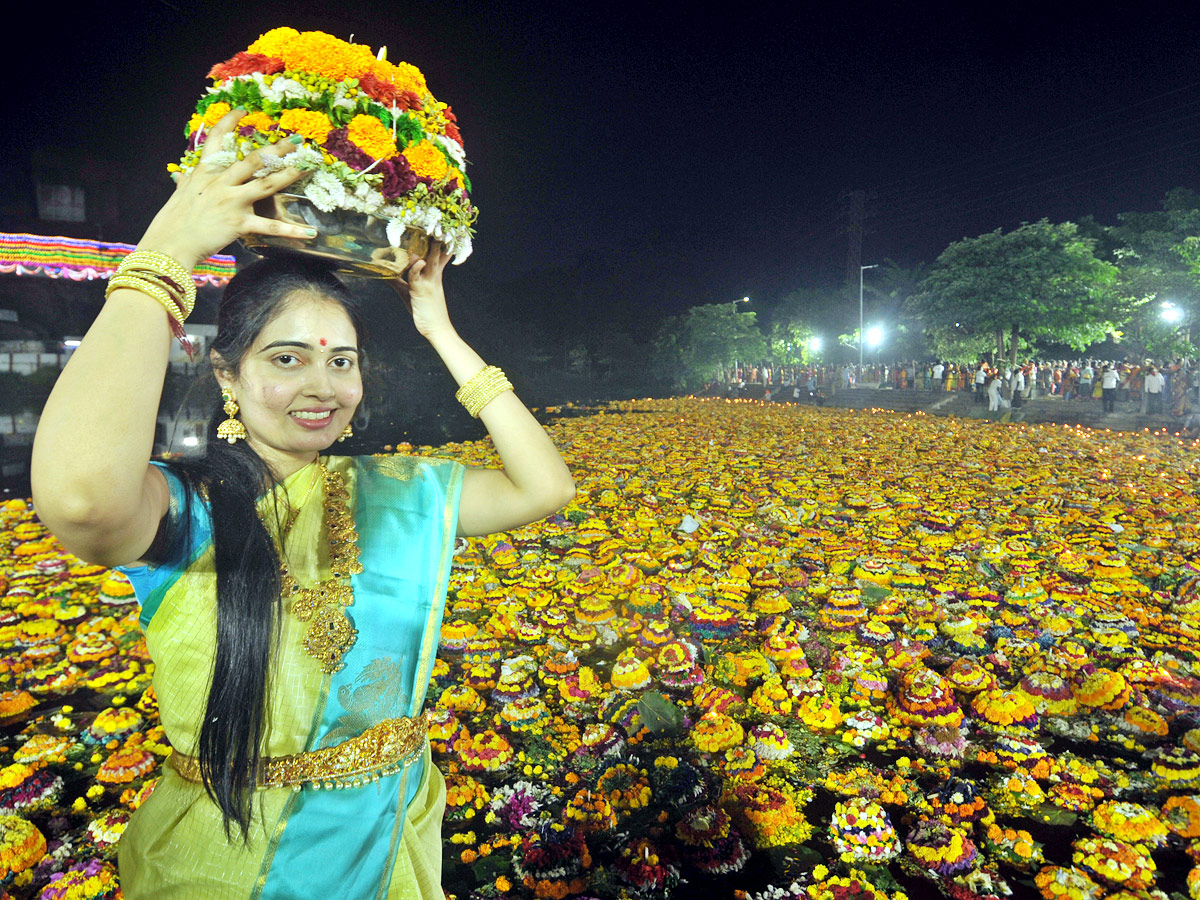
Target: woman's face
x,y
300,383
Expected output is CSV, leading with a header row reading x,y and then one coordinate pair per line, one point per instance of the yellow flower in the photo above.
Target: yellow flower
x,y
402,75
258,120
273,42
312,124
215,113
368,134
426,160
323,54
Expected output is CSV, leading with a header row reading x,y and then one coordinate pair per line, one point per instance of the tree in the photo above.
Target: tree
x,y
696,345
791,344
1038,282
1153,252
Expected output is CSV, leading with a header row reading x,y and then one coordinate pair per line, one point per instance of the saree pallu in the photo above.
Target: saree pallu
x,y
379,840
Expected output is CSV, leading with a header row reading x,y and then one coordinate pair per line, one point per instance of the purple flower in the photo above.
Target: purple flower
x,y
398,176
340,147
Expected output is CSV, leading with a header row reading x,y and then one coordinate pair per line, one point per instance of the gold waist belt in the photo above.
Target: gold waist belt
x,y
382,749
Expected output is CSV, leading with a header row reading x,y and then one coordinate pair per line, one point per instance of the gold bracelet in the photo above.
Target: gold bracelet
x,y
482,388
164,269
179,296
151,289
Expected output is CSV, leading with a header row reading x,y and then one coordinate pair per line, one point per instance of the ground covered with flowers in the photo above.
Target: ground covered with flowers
x,y
781,652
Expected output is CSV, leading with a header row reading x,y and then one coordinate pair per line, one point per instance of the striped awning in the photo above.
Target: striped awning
x,y
84,260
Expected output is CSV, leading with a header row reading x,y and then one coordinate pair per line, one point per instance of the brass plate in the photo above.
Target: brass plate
x,y
355,243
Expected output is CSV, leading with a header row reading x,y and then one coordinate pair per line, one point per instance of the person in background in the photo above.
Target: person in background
x,y
1110,378
1181,404
993,392
1086,374
1153,384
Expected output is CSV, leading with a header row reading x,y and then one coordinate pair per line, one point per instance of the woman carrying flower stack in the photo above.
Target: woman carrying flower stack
x,y
291,600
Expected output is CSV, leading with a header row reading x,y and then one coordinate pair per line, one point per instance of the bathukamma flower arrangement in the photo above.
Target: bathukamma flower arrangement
x,y
375,140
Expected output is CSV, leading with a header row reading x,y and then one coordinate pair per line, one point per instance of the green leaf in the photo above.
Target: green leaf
x,y
488,868
804,856
1053,815
872,591
881,877
659,714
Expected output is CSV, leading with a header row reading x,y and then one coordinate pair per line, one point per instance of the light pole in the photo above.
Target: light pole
x,y
861,269
735,303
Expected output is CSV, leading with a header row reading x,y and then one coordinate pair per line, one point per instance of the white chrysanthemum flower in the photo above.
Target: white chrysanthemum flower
x,y
325,191
459,244
304,158
453,148
457,240
281,88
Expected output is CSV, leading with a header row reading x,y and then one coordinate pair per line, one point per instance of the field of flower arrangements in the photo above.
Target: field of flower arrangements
x,y
780,652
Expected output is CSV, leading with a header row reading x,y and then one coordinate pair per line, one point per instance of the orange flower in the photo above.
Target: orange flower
x,y
273,42
215,113
403,76
369,135
323,54
427,160
258,120
312,124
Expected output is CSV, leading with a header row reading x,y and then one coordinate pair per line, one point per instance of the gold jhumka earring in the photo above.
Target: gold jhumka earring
x,y
231,429
349,432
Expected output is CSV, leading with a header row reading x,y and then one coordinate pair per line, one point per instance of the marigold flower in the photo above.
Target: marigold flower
x,y
273,42
323,54
312,124
369,135
401,76
215,113
427,160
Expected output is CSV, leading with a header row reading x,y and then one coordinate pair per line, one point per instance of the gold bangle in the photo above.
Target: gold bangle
x,y
183,299
482,388
151,262
151,289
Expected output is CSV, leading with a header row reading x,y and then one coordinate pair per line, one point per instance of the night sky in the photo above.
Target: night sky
x,y
699,156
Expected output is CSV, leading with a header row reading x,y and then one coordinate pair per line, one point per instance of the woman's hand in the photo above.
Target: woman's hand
x,y
212,207
421,290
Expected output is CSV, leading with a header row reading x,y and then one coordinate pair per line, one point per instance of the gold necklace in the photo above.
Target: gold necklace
x,y
294,512
330,633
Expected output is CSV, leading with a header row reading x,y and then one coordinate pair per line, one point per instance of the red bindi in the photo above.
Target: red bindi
x,y
324,342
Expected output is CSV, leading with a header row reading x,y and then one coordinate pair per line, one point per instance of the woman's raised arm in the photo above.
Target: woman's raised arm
x,y
535,481
92,482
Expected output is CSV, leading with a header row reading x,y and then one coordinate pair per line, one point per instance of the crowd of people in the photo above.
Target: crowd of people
x,y
1155,387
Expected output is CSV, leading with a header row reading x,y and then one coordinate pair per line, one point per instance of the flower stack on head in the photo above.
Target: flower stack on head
x,y
374,139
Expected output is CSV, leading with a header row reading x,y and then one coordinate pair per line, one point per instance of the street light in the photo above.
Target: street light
x,y
735,309
861,269
874,336
1172,313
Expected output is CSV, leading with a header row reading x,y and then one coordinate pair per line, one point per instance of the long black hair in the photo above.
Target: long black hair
x,y
234,477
